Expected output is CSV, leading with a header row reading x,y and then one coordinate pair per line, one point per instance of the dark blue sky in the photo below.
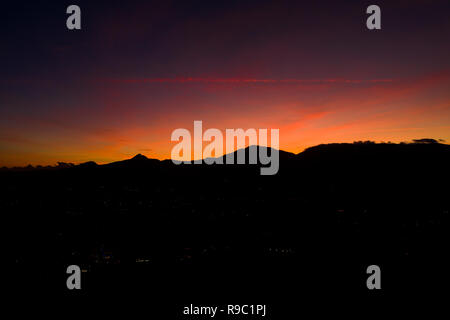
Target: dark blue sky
x,y
97,93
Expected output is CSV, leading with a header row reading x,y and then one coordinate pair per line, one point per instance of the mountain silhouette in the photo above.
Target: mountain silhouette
x,y
331,154
139,157
138,161
339,206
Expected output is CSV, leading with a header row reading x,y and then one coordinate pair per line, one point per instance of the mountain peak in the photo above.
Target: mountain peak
x,y
139,157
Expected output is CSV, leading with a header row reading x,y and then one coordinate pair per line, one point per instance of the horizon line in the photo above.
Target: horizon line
x,y
426,141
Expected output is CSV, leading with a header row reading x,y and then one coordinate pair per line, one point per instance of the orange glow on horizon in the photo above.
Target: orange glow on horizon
x,y
124,121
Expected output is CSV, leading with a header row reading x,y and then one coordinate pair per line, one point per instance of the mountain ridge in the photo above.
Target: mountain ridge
x,y
345,149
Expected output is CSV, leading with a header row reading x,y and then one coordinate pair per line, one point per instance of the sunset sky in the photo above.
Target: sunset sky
x,y
140,69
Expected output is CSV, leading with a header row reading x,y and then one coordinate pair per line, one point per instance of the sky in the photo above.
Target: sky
x,y
137,70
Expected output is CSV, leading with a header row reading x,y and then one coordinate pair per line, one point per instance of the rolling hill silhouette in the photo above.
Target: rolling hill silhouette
x,y
338,206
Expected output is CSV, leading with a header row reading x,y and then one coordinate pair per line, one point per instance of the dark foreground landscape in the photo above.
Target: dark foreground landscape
x,y
225,234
